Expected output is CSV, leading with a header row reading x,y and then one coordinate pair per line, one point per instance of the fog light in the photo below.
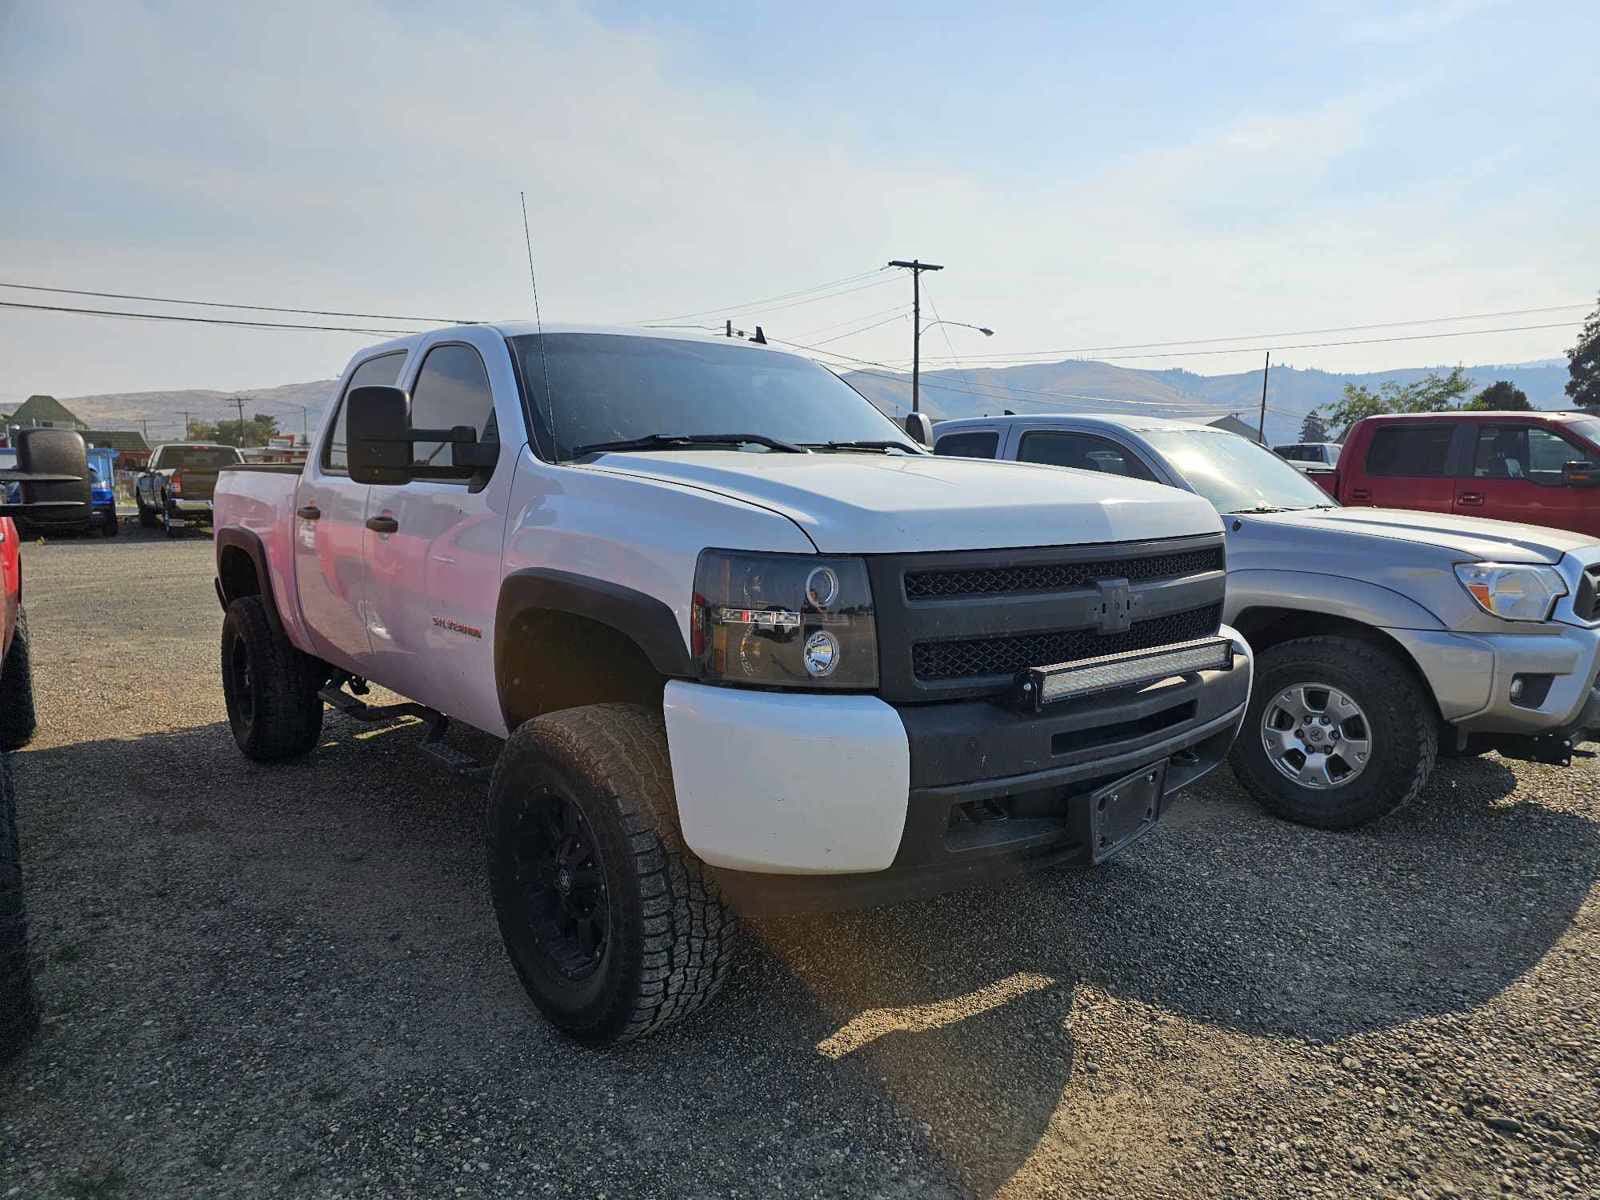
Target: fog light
x,y
1516,688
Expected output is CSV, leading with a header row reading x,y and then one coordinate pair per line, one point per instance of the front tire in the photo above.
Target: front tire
x,y
612,924
110,528
148,517
270,687
17,717
19,1003
1338,733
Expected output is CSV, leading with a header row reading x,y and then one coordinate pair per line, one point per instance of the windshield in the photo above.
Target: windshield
x,y
1588,428
1235,475
198,458
616,387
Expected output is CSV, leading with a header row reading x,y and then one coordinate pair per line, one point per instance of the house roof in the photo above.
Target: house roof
x,y
116,439
1233,425
39,410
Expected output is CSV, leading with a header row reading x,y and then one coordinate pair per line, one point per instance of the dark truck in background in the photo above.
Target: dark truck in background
x,y
1540,468
175,490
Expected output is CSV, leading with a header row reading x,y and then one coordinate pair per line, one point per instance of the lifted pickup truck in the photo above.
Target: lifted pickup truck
x,y
1382,637
1538,467
176,489
746,641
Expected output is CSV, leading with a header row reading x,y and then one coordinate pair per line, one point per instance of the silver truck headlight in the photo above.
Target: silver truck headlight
x,y
784,620
1512,591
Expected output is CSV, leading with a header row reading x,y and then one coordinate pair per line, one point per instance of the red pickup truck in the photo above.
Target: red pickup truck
x,y
1538,467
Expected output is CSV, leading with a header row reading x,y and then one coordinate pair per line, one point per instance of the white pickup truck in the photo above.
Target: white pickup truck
x,y
747,643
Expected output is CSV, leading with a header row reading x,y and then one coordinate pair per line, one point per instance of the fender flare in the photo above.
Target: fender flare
x,y
1328,595
250,543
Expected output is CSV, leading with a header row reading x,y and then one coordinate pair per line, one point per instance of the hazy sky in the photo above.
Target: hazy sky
x,y
1092,174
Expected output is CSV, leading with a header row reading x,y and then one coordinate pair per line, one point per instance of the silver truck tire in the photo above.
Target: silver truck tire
x,y
612,924
1339,732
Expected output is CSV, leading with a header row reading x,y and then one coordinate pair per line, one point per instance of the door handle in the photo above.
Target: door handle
x,y
309,512
382,524
1360,494
1470,498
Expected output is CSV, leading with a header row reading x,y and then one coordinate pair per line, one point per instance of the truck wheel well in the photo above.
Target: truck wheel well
x,y
1266,627
551,660
237,572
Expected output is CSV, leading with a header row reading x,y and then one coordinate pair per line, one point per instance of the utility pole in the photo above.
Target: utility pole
x,y
916,268
145,421
1261,430
185,413
239,400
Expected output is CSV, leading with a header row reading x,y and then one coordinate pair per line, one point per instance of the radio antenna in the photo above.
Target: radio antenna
x,y
538,321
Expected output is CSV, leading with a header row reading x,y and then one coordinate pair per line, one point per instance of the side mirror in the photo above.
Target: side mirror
x,y
919,428
53,469
378,434
1580,474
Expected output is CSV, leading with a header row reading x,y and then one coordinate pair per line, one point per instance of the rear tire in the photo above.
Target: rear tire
x,y
270,687
19,1003
147,517
110,528
1395,714
612,924
17,717
167,526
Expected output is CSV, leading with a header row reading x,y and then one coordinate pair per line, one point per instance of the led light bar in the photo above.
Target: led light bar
x,y
1039,686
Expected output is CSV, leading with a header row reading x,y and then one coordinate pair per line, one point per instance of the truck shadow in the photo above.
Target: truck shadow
x,y
350,886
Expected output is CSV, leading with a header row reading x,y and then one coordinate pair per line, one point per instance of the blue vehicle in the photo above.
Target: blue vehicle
x,y
102,496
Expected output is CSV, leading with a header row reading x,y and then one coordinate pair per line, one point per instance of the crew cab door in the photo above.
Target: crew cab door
x,y
433,545
1084,451
330,509
1516,476
1406,466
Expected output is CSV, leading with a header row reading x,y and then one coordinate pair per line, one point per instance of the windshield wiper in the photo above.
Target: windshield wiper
x,y
1257,511
863,444
666,441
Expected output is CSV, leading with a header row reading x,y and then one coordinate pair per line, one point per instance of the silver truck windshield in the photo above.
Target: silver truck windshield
x,y
607,388
1234,474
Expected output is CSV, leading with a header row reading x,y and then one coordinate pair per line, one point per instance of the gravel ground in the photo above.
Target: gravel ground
x,y
287,982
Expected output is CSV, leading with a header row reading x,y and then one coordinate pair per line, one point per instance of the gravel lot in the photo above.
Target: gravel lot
x,y
287,982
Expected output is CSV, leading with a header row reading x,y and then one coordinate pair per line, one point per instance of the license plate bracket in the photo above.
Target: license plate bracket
x,y
1125,810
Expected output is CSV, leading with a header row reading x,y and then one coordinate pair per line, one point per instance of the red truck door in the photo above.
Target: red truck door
x,y
1516,476
1404,466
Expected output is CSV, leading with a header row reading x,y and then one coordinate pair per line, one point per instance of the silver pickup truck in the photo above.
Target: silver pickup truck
x,y
1384,638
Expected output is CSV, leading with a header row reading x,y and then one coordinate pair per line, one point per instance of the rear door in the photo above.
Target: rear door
x,y
1407,466
433,545
330,511
1084,451
1516,476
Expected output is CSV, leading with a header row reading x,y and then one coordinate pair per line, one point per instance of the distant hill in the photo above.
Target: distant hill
x,y
1071,386
1078,386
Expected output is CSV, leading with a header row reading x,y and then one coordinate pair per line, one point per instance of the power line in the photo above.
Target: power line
x,y
1510,312
898,316
770,299
310,312
896,308
228,321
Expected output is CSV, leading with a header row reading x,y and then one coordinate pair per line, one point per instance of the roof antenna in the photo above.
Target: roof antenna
x,y
538,321
760,338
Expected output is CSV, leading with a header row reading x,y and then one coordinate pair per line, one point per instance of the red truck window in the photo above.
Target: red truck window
x,y
1523,452
1418,451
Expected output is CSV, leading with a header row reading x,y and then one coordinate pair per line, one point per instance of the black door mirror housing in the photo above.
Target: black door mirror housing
x,y
920,429
53,469
379,435
1580,474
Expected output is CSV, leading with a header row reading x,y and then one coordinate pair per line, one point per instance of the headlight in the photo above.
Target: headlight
x,y
1513,592
784,620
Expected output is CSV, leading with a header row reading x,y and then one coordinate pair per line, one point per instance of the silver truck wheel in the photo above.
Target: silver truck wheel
x,y
1316,735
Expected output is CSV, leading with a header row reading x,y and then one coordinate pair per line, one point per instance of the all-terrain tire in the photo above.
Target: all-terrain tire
x,y
112,526
1403,725
19,1003
669,938
148,517
17,717
270,687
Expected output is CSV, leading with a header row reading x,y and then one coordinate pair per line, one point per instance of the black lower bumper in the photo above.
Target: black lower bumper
x,y
996,792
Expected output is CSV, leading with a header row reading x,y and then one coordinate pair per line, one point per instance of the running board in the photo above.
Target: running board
x,y
433,744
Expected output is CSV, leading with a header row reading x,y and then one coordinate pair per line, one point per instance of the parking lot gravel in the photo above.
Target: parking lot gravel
x,y
286,981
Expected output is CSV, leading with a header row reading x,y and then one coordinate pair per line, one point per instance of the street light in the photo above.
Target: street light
x,y
980,328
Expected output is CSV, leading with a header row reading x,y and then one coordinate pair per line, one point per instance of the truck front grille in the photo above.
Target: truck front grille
x,y
1059,576
971,657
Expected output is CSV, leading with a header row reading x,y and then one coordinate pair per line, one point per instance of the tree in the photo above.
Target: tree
x,y
1501,396
1432,393
254,432
1313,428
1583,365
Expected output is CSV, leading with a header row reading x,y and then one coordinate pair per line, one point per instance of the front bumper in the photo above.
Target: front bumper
x,y
815,801
1471,675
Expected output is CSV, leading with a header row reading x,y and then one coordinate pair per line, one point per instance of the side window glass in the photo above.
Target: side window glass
x,y
1501,452
451,389
1083,451
1547,454
978,443
383,371
1417,451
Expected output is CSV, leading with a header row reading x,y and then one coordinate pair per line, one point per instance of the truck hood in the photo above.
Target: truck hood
x,y
898,504
1464,538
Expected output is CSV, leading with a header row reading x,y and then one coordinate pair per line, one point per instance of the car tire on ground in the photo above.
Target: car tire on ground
x,y
148,517
17,718
269,686
110,528
19,1003
1369,726
613,925
167,526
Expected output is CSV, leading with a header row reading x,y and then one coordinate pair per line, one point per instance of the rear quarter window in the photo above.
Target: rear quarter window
x,y
977,443
1418,451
